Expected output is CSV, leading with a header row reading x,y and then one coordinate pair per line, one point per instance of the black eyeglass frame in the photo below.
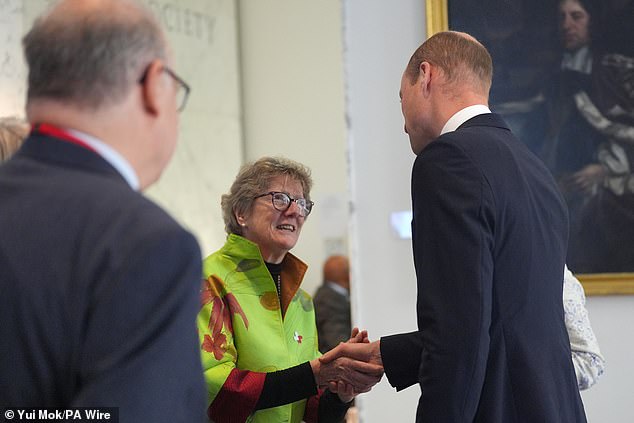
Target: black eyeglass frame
x,y
307,208
182,84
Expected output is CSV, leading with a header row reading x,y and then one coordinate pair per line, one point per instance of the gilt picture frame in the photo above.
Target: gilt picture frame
x,y
439,18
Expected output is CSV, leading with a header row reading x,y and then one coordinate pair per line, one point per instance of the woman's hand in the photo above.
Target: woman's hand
x,y
345,376
345,391
358,336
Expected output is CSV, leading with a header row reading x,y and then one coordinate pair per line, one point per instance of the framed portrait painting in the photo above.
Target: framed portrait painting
x,y
564,82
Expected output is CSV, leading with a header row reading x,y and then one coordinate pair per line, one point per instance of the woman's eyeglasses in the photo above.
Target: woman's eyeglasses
x,y
282,201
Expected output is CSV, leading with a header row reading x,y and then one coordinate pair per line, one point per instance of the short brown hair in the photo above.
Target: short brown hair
x,y
252,179
459,55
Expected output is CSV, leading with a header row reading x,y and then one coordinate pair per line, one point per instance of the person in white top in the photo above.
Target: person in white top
x,y
586,355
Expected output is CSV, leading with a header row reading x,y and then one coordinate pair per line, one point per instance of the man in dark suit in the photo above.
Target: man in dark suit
x,y
98,285
489,238
332,304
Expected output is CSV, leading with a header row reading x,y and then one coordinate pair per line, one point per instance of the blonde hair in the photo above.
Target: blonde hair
x,y
13,131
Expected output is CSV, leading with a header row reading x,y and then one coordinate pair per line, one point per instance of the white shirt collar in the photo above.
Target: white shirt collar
x,y
580,60
110,155
464,115
338,288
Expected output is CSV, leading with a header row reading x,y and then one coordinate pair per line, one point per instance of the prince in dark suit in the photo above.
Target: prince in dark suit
x,y
489,238
98,285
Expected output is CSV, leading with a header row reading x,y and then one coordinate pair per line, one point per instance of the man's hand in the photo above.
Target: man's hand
x,y
348,376
354,356
345,392
360,375
369,352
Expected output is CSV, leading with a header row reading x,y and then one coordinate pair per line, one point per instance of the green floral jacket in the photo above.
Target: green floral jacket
x,y
245,333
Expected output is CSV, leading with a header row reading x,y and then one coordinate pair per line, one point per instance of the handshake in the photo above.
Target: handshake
x,y
351,368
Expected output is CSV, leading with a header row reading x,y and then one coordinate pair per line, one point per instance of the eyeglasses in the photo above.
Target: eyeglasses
x,y
282,201
183,88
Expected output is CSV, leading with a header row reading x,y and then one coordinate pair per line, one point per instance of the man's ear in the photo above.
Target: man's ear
x,y
154,87
424,76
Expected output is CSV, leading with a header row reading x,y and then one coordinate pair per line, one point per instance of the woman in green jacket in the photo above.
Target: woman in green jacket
x,y
256,325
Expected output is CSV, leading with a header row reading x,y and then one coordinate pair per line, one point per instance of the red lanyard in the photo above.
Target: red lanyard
x,y
54,131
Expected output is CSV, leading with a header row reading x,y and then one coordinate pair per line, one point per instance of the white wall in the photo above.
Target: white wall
x,y
293,94
12,68
610,401
380,37
204,36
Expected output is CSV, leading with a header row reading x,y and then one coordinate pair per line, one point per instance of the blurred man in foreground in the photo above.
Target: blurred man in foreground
x,y
99,286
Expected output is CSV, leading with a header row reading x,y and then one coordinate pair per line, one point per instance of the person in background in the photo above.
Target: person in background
x,y
564,140
489,234
99,286
586,356
12,134
570,144
332,303
256,325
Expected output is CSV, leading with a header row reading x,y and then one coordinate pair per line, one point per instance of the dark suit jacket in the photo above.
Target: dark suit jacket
x,y
98,291
332,315
489,238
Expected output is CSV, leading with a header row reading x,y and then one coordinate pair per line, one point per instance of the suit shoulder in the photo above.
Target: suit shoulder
x,y
448,153
123,213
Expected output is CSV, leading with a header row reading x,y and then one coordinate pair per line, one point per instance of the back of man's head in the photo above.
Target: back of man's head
x,y
101,67
337,269
462,59
88,53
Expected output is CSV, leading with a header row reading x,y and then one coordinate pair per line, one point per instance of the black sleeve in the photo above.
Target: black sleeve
x,y
401,356
296,383
287,386
331,409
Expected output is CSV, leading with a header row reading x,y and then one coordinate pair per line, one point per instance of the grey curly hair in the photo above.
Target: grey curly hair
x,y
254,178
